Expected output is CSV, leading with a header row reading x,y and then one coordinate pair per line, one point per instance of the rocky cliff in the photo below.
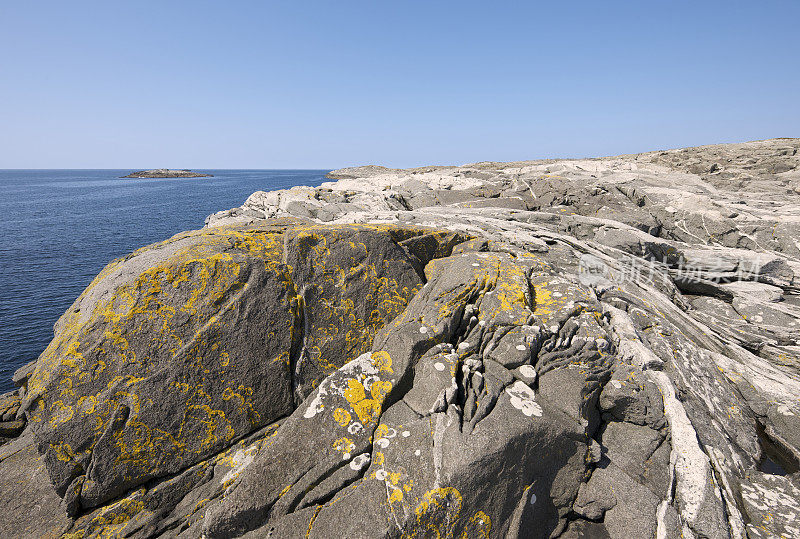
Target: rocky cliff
x,y
567,348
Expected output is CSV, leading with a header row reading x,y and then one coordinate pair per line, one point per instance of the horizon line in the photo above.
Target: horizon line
x,y
189,169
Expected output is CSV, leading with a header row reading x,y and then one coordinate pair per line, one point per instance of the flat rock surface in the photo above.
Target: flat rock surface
x,y
28,504
599,347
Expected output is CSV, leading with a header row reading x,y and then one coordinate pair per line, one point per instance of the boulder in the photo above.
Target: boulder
x,y
178,350
170,355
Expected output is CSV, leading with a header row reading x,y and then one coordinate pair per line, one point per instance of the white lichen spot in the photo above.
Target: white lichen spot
x,y
482,323
522,398
521,347
423,329
527,371
785,410
406,434
355,427
553,329
380,475
556,294
345,456
417,452
360,461
475,265
464,345
439,366
383,443
316,405
616,383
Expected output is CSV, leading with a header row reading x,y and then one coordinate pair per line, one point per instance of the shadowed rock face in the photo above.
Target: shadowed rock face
x,y
571,348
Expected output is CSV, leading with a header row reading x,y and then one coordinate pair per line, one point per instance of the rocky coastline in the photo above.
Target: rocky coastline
x,y
603,347
167,173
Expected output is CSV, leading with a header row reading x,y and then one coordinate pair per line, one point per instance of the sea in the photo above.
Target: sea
x,y
59,228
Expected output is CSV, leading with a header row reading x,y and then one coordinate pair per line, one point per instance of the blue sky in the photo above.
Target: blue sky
x,y
210,84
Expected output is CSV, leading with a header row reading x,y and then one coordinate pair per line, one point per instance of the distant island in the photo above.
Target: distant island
x,y
167,173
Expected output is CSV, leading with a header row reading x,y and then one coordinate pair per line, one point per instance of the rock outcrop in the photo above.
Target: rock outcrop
x,y
574,348
167,173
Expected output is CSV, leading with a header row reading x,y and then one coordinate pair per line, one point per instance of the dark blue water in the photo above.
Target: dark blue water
x,y
58,228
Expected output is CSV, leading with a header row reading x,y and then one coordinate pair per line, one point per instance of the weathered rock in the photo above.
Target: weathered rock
x,y
626,508
352,281
772,504
11,428
28,504
170,355
175,352
9,404
21,375
12,422
410,463
574,348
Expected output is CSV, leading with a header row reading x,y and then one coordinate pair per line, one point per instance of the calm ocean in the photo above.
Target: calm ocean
x,y
58,228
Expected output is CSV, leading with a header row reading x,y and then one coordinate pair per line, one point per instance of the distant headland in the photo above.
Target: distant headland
x,y
166,173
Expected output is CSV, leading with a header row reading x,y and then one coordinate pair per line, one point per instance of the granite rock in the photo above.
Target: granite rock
x,y
562,348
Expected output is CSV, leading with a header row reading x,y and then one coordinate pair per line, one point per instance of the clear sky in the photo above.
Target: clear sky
x,y
326,84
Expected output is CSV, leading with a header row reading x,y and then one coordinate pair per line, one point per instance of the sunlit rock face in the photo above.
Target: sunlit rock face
x,y
168,357
182,348
598,347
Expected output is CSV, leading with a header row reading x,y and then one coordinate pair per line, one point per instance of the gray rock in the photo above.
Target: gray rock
x,y
21,375
772,503
9,407
560,348
631,397
626,508
29,506
352,281
640,452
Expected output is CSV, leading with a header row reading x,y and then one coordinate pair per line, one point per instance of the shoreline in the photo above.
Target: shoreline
x,y
587,319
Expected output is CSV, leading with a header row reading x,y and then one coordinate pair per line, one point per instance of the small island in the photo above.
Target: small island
x,y
167,173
